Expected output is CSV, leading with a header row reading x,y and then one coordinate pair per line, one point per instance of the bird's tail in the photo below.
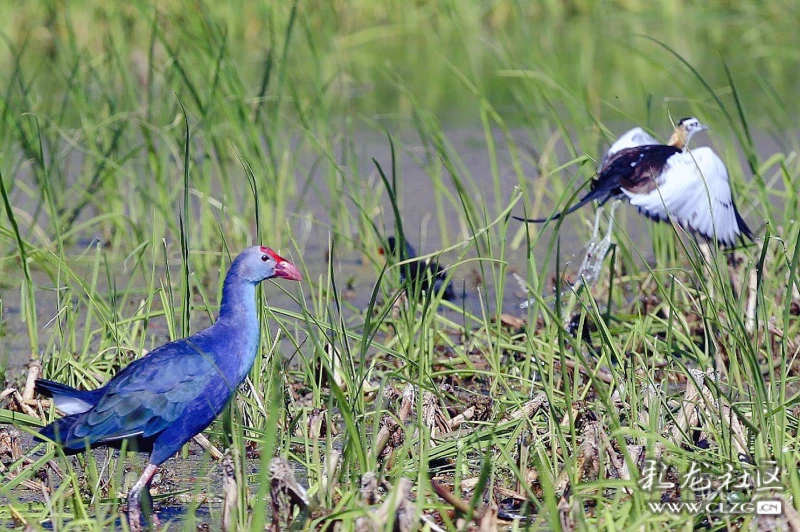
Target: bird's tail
x,y
743,225
52,388
599,193
68,399
58,431
73,403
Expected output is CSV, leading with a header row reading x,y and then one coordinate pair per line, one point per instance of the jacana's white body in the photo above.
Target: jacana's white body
x,y
693,189
666,182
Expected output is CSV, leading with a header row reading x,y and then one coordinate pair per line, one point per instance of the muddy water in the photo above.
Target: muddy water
x,y
194,477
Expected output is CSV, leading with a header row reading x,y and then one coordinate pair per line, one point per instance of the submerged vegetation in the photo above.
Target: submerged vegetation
x,y
141,148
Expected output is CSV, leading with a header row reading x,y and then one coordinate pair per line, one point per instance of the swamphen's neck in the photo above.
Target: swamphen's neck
x,y
238,325
238,301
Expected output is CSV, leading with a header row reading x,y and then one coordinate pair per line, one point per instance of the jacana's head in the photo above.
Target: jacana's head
x,y
684,130
257,263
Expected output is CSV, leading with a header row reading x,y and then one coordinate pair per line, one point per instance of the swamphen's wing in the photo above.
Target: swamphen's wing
x,y
151,394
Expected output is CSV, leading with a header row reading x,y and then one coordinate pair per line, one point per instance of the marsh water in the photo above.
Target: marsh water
x,y
358,268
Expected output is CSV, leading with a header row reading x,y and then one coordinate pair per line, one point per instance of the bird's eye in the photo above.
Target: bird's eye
x,y
264,258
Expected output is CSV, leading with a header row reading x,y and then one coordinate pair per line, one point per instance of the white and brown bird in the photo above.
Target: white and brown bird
x,y
668,181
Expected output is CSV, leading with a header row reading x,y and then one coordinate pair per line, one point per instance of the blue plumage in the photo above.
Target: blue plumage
x,y
160,401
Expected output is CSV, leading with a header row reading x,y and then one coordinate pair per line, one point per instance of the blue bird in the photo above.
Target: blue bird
x,y
419,272
162,400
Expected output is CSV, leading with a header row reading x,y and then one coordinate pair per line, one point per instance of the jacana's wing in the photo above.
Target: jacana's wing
x,y
694,190
636,170
631,139
151,394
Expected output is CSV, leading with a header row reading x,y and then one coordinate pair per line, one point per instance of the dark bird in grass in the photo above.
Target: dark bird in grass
x,y
160,401
419,273
668,181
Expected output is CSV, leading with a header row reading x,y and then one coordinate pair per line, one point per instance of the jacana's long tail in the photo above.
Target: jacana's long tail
x,y
743,225
599,193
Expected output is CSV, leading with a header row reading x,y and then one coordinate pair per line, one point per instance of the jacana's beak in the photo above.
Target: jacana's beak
x,y
704,128
287,270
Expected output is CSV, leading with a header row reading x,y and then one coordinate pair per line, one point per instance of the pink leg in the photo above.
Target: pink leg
x,y
134,496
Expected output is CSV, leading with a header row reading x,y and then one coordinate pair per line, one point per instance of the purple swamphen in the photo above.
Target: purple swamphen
x,y
160,401
419,273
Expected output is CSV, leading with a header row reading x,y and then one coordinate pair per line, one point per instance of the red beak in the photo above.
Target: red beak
x,y
286,270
